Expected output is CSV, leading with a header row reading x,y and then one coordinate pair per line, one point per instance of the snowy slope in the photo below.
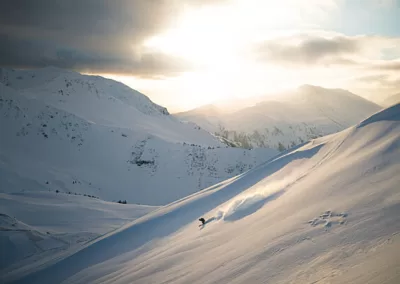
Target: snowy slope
x,y
39,225
101,101
68,132
288,119
326,212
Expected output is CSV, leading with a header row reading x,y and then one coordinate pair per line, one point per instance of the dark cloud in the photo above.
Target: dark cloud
x,y
23,53
100,36
88,17
308,50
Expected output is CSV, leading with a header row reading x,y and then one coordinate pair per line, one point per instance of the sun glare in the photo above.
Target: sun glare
x,y
214,35
217,39
201,37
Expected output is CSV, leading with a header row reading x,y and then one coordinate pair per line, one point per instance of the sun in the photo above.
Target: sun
x,y
214,35
201,37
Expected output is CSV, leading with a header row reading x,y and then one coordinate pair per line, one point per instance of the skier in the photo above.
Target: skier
x,y
202,221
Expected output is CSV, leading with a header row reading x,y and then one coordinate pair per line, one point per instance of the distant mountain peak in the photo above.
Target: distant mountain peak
x,y
287,119
391,100
319,90
208,109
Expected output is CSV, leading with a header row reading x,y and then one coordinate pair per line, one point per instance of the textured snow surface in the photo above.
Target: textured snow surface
x,y
325,212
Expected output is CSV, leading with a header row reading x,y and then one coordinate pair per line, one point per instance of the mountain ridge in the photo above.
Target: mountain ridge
x,y
288,119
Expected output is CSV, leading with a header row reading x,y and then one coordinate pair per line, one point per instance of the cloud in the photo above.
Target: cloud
x,y
107,37
313,49
307,50
388,65
365,64
373,78
377,86
88,34
20,53
380,80
88,17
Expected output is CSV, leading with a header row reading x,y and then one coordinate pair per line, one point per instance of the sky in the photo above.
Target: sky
x,y
183,54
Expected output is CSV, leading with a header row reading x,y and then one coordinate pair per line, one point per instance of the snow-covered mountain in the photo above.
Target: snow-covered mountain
x,y
391,100
327,211
287,119
64,131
